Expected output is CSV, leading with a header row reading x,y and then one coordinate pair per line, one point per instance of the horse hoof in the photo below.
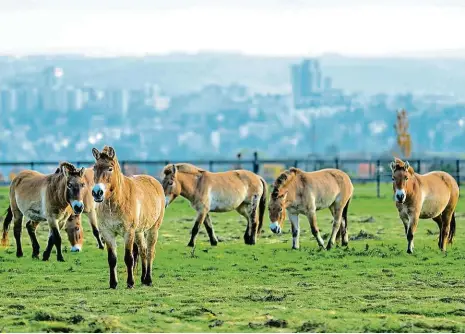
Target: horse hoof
x,y
147,283
294,247
214,242
409,251
190,244
101,247
113,285
329,247
35,256
60,259
130,286
19,254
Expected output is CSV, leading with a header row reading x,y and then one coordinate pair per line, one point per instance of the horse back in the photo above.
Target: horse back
x,y
438,184
235,182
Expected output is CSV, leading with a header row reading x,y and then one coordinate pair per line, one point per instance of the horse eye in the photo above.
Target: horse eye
x,y
83,185
69,185
406,178
393,178
77,228
280,209
110,169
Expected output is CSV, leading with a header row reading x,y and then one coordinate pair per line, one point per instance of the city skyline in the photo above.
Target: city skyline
x,y
295,28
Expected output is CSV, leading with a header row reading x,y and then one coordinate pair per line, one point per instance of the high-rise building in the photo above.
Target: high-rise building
x,y
27,99
74,98
8,101
306,80
117,101
52,76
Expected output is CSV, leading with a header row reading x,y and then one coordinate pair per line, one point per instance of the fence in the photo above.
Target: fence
x,y
373,174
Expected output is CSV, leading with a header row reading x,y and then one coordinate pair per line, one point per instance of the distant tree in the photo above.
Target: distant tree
x,y
404,142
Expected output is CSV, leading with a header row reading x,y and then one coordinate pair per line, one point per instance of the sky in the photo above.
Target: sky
x,y
256,27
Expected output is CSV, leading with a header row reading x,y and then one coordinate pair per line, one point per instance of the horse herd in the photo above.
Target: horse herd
x,y
134,207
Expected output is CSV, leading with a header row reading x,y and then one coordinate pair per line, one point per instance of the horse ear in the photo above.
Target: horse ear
x,y
175,169
392,165
407,165
283,196
82,171
65,171
111,152
96,153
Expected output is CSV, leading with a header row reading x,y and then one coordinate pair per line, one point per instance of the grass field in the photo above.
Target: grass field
x,y
373,285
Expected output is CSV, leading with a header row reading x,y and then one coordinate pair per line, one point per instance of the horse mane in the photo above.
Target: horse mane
x,y
71,168
399,164
185,168
283,179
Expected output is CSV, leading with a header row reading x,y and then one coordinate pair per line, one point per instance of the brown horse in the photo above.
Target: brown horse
x,y
239,190
73,226
430,196
129,206
38,197
301,192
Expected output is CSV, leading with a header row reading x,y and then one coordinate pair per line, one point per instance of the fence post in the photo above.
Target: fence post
x,y
210,166
336,161
378,178
296,163
418,166
457,166
123,166
32,165
256,167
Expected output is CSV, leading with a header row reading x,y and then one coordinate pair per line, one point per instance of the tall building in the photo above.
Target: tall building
x,y
52,77
306,80
8,101
74,99
117,101
27,99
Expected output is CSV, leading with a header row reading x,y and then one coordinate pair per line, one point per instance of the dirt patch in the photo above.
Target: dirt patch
x,y
277,323
363,235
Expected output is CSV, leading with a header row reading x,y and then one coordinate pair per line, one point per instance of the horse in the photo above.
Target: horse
x,y
133,207
38,197
430,196
300,192
239,190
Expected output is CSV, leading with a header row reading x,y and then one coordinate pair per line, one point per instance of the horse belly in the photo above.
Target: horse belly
x,y
432,208
32,210
224,203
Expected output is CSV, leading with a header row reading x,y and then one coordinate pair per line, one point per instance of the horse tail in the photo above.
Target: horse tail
x,y
452,229
262,205
6,224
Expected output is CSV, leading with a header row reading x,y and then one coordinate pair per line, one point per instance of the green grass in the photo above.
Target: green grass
x,y
373,285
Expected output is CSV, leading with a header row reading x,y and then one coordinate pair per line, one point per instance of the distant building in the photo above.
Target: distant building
x,y
52,77
8,101
27,99
74,99
117,101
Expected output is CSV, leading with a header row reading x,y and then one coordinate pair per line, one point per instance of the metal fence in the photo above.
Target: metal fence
x,y
373,174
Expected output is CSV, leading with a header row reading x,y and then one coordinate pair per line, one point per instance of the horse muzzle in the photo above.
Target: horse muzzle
x,y
275,228
78,207
97,192
76,248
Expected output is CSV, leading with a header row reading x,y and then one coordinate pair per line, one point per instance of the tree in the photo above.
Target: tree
x,y
404,142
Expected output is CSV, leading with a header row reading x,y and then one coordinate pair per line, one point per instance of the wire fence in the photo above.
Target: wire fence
x,y
372,174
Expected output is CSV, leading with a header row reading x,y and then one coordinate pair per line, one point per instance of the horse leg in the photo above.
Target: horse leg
x,y
31,227
410,232
17,230
340,231
92,216
129,238
195,230
253,223
210,231
242,210
49,247
446,217
311,216
337,218
438,221
110,241
141,244
152,238
295,226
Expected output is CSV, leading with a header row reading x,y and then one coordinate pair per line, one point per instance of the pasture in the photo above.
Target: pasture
x,y
373,285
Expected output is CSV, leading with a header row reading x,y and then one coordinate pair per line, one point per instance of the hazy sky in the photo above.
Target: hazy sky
x,y
267,27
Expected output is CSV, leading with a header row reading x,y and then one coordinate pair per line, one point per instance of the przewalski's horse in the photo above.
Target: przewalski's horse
x,y
127,206
73,225
38,197
301,192
239,190
433,195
